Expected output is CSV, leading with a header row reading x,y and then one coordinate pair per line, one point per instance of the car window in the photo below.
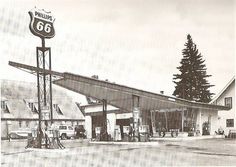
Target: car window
x,y
62,127
70,128
22,132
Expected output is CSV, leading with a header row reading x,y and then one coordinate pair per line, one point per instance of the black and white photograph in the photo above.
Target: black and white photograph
x,y
109,83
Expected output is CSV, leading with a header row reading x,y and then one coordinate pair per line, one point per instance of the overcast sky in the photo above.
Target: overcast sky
x,y
137,43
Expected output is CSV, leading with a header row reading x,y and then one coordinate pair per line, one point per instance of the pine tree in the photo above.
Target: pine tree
x,y
192,84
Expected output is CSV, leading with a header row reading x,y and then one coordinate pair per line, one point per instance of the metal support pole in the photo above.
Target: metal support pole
x,y
104,131
166,120
136,116
182,119
8,137
43,100
39,107
44,75
50,82
44,84
133,117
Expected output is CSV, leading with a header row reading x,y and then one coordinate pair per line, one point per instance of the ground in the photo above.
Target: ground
x,y
82,153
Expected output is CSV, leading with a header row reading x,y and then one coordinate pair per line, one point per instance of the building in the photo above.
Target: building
x,y
94,118
143,105
183,119
226,97
19,107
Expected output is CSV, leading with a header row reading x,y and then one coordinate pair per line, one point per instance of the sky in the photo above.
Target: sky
x,y
137,43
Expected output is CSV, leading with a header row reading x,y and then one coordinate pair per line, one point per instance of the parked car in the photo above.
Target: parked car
x,y
232,134
19,134
66,132
80,131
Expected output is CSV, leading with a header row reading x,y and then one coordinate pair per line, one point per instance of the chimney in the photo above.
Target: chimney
x,y
162,92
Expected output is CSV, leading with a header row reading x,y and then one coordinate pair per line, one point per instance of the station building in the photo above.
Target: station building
x,y
183,119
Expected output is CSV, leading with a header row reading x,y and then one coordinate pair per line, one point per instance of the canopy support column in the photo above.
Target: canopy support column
x,y
104,134
182,119
136,117
153,121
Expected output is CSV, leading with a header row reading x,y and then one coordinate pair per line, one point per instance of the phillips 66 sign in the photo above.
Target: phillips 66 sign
x,y
41,23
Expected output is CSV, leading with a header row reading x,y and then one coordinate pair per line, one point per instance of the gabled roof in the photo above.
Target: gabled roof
x,y
68,108
18,89
6,114
18,94
223,90
19,109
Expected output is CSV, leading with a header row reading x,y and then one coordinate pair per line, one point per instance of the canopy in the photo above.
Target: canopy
x,y
121,96
118,95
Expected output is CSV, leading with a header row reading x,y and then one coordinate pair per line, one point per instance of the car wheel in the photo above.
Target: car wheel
x,y
63,136
162,134
174,134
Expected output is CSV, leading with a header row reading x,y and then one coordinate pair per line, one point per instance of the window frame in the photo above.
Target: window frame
x,y
20,124
3,105
228,102
229,124
27,123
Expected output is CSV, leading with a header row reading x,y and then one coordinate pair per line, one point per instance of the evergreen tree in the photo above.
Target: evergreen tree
x,y
191,83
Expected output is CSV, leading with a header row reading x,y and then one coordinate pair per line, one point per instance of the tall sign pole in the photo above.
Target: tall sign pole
x,y
41,25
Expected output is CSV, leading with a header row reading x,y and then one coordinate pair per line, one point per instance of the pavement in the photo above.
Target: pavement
x,y
125,143
154,140
207,152
187,138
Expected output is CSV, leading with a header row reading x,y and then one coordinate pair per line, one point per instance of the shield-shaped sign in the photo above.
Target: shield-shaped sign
x,y
41,23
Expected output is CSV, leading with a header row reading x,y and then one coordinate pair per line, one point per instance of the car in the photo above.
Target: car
x,y
66,131
19,134
232,134
80,131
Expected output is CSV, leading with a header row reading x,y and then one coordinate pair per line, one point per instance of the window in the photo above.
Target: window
x,y
228,102
229,122
31,106
62,127
55,106
27,124
20,124
57,109
3,105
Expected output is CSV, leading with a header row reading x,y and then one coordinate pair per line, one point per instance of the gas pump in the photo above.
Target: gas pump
x,y
126,131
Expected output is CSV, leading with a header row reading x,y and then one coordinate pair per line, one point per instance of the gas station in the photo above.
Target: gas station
x,y
148,112
145,107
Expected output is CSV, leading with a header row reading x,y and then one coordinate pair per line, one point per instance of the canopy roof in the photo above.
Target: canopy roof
x,y
121,96
117,95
